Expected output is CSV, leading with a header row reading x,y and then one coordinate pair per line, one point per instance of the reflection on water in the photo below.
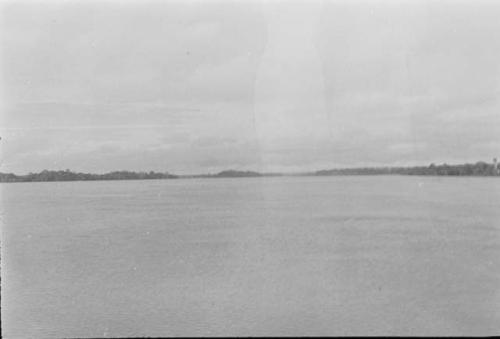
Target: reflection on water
x,y
252,256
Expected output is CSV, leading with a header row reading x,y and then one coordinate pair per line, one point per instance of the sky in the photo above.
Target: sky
x,y
202,86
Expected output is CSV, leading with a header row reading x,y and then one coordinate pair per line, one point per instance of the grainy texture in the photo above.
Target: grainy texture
x,y
252,256
263,118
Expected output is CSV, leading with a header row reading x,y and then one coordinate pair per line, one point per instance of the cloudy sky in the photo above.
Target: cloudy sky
x,y
200,86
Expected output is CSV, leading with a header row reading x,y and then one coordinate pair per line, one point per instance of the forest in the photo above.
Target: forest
x,y
67,175
478,169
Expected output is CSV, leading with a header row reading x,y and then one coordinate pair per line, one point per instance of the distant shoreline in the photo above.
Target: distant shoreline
x,y
479,169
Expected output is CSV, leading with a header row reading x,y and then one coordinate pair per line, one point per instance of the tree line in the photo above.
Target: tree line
x,y
478,169
67,175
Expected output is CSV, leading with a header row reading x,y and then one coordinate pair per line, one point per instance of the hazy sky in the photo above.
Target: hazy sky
x,y
190,87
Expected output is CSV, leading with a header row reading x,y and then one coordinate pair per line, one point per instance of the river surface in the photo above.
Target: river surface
x,y
354,255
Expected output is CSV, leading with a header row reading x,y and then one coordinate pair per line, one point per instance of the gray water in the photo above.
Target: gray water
x,y
383,255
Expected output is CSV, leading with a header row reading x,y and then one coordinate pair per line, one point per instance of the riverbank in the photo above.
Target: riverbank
x,y
478,169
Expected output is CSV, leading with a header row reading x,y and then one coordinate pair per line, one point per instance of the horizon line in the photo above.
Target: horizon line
x,y
258,172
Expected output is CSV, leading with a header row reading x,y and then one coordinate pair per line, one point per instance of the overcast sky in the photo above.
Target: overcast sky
x,y
194,87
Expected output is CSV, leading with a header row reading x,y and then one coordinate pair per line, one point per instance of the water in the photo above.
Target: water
x,y
252,256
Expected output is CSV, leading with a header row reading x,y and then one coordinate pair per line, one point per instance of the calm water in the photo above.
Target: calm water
x,y
253,256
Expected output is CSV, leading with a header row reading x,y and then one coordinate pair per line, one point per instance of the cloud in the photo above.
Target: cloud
x,y
193,87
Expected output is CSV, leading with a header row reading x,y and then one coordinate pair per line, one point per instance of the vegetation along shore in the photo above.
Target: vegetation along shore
x,y
478,169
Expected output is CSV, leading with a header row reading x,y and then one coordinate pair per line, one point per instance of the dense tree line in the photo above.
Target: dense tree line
x,y
237,174
477,169
72,176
